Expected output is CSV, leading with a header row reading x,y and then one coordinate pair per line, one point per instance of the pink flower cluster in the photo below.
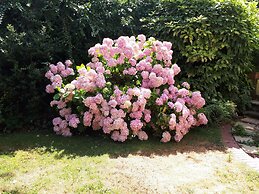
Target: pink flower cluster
x,y
110,114
128,89
56,73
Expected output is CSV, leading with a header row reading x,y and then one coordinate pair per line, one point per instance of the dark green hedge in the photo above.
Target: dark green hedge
x,y
213,43
36,32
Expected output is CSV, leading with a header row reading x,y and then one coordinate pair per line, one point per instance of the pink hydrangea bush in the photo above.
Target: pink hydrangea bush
x,y
128,89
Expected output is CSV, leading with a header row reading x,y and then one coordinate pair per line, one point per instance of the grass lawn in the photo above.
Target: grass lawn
x,y
41,162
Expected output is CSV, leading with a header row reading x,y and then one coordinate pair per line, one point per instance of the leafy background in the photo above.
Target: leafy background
x,y
215,44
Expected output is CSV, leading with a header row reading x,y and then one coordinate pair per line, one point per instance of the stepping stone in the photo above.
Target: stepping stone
x,y
250,120
253,114
256,129
243,139
255,102
246,125
250,149
249,128
250,132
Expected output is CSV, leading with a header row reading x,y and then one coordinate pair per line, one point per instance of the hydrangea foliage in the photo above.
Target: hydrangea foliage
x,y
127,90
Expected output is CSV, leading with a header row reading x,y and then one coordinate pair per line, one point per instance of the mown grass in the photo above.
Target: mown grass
x,y
42,162
97,145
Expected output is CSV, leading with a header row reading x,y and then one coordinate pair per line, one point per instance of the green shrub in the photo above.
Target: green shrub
x,y
219,111
213,42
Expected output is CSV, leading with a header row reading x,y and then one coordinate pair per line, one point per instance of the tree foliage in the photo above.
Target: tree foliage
x,y
214,43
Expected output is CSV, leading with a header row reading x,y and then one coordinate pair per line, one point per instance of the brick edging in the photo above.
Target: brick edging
x,y
227,137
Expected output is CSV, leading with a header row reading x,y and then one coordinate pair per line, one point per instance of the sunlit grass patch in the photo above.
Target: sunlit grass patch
x,y
40,162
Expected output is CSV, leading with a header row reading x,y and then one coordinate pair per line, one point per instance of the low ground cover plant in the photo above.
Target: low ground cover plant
x,y
128,89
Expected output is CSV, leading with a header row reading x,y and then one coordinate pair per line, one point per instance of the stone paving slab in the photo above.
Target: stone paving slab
x,y
249,149
253,114
246,125
249,128
255,102
250,120
243,139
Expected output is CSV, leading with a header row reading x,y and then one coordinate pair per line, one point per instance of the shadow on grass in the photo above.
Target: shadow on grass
x,y
201,139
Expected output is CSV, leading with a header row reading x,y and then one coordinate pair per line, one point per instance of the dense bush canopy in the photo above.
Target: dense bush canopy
x,y
213,41
128,89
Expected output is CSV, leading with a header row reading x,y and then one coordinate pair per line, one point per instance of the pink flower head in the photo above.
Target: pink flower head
x,y
118,123
164,97
146,93
142,135
111,62
168,45
178,136
87,119
142,38
166,137
136,125
115,135
63,124
128,52
98,99
183,92
108,42
159,102
202,119
121,42
132,71
112,103
127,104
61,66
66,132
100,70
147,115
178,106
122,138
53,68
65,111
157,69
172,121
50,89
133,62
136,115
144,74
56,121
61,104
68,63
197,100
186,85
49,74
91,51
56,81
171,105
176,69
74,121
136,91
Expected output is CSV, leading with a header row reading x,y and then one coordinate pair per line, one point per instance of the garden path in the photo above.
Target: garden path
x,y
237,148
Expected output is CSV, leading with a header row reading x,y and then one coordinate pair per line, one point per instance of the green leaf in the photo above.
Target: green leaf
x,y
56,97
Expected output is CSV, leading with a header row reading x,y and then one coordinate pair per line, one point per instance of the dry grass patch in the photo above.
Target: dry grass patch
x,y
209,172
